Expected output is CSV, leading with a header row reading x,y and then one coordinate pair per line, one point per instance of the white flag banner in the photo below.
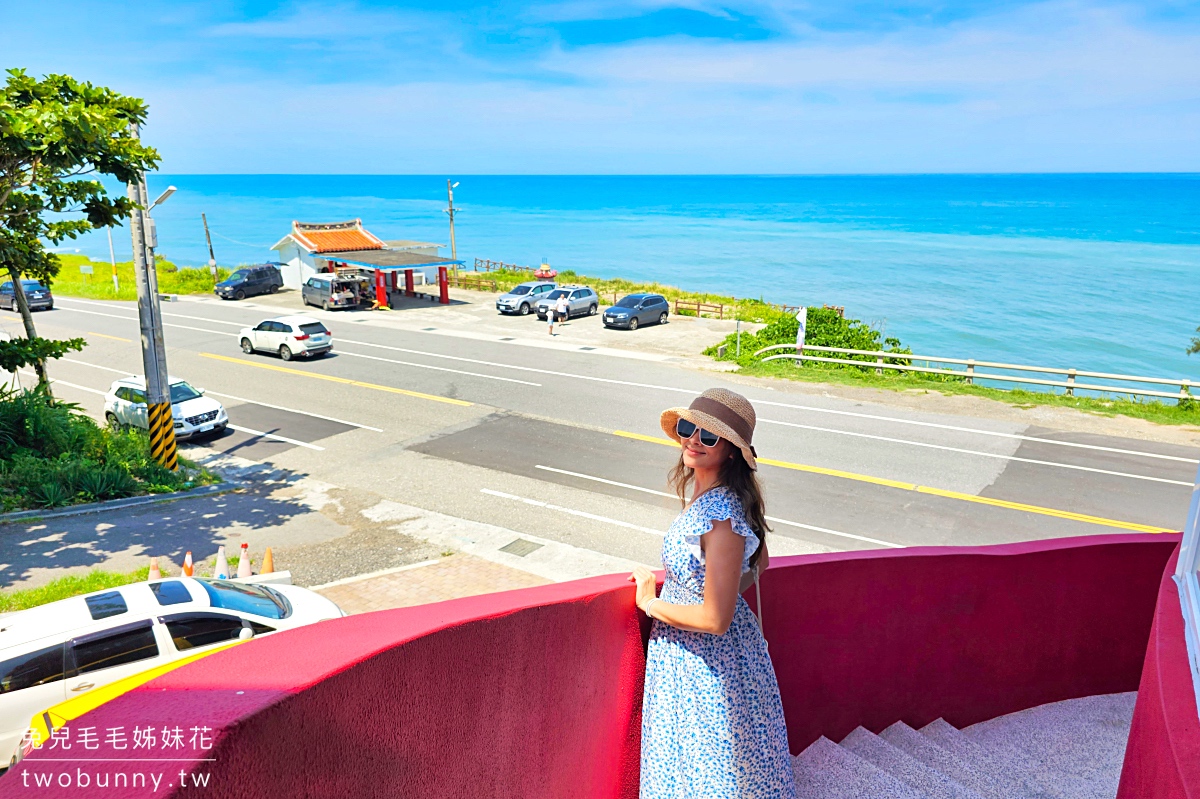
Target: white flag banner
x,y
802,318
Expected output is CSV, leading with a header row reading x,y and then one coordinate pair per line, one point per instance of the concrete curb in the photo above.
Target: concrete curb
x,y
16,517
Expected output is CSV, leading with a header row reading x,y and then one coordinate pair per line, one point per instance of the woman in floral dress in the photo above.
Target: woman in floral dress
x,y
712,720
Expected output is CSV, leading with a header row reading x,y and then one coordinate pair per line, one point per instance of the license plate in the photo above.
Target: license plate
x,y
206,428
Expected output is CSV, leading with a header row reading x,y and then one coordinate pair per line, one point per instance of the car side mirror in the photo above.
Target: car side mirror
x,y
201,391
245,634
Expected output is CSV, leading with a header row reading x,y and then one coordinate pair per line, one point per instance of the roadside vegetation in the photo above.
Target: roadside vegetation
x,y
64,587
71,282
52,454
827,329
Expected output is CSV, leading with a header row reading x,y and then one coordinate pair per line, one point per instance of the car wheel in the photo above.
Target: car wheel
x,y
247,347
592,309
325,306
285,353
633,323
239,295
524,309
662,318
113,422
273,289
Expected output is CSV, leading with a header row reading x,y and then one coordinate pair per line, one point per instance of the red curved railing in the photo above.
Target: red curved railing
x,y
536,692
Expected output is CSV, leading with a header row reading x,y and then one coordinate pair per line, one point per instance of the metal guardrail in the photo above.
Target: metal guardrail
x,y
972,373
486,265
477,283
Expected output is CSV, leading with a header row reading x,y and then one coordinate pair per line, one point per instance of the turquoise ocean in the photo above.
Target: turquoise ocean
x,y
1097,272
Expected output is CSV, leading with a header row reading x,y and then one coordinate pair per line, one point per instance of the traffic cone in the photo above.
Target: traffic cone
x,y
244,561
155,574
268,564
188,569
221,569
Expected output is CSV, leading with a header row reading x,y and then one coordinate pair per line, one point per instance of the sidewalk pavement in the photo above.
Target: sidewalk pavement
x,y
451,577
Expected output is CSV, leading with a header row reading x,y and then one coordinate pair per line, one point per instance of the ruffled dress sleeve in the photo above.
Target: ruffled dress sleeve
x,y
719,504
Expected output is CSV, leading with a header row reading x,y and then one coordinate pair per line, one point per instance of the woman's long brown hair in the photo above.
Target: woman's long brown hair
x,y
737,475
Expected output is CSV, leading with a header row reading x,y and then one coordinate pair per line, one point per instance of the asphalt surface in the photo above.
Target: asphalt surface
x,y
483,427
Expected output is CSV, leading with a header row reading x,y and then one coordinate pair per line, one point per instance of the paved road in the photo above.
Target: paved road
x,y
562,440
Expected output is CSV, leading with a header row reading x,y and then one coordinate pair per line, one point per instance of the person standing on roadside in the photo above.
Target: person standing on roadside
x,y
712,719
551,315
562,308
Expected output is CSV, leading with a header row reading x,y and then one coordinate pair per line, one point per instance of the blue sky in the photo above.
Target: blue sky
x,y
643,86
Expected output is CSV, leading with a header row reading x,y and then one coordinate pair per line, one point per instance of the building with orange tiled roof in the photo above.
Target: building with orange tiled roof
x,y
314,247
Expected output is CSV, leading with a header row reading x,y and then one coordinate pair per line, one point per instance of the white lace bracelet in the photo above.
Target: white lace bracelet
x,y
649,605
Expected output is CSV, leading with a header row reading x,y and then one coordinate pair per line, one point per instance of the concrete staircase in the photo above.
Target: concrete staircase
x,y
1064,750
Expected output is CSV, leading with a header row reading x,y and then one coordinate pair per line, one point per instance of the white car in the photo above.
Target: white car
x,y
289,336
194,413
62,650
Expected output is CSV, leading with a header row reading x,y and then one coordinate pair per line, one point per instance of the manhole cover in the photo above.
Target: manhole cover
x,y
429,328
521,547
508,338
587,349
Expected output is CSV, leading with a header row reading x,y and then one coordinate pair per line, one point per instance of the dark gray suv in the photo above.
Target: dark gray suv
x,y
250,280
636,310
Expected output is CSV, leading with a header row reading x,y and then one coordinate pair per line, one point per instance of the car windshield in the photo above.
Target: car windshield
x,y
628,302
314,329
258,600
239,276
554,295
521,289
182,392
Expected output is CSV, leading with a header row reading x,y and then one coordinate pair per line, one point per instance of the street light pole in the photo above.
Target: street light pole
x,y
154,350
212,259
450,194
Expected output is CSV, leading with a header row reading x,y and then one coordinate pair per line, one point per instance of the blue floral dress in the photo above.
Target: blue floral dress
x,y
712,720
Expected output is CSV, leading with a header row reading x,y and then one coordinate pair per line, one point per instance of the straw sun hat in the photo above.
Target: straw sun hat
x,y
720,411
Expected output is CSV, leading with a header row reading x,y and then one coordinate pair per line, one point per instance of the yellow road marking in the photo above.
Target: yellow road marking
x,y
114,338
937,492
333,379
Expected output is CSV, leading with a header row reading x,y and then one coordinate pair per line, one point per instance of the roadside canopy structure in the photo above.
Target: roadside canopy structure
x,y
312,248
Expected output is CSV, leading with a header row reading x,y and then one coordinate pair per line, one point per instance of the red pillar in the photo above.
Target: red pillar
x,y
408,284
380,288
444,285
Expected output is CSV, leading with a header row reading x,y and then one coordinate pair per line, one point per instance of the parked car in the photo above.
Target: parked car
x,y
581,301
329,291
636,310
37,295
194,413
250,280
523,298
289,336
63,649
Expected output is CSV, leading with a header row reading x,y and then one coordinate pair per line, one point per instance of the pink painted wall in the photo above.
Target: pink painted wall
x,y
1162,759
537,692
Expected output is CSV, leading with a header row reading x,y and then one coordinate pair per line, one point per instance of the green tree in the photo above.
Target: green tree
x,y
1194,347
57,135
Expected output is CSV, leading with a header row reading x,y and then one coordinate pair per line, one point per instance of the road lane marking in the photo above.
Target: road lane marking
x,y
65,383
981,454
333,379
275,437
572,511
293,410
813,409
438,368
940,492
114,338
775,519
98,366
134,319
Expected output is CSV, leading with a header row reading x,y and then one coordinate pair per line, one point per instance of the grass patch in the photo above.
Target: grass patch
x,y
99,286
1150,410
64,587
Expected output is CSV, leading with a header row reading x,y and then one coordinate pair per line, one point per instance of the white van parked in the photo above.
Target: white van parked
x,y
58,651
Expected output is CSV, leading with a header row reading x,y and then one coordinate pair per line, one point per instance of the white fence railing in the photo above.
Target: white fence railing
x,y
986,370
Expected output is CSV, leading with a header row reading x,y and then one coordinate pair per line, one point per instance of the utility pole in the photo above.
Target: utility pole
x,y
112,257
450,194
212,259
154,350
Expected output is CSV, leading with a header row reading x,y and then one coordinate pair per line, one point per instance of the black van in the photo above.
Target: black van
x,y
250,280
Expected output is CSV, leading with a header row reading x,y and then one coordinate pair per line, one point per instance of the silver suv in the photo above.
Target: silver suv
x,y
522,298
581,301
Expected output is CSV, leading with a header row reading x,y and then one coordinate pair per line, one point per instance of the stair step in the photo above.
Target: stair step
x,y
827,771
1076,747
1021,770
934,784
914,743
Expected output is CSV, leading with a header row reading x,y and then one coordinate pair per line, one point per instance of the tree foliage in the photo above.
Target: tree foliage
x,y
18,353
57,135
